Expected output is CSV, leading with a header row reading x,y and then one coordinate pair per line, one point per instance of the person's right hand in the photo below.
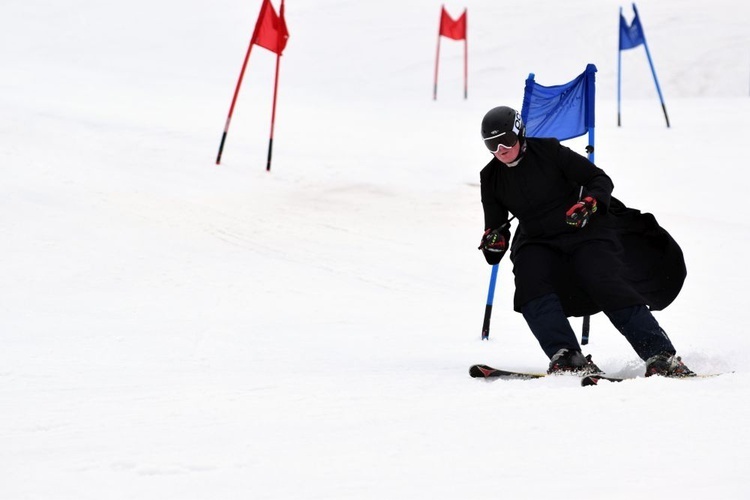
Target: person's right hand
x,y
493,241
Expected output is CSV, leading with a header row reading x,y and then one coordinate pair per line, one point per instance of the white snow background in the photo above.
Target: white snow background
x,y
173,329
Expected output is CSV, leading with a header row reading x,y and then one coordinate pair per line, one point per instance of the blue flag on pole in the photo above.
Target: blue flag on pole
x,y
631,36
562,111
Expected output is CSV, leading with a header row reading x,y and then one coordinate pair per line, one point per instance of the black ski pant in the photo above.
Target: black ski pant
x,y
596,264
550,326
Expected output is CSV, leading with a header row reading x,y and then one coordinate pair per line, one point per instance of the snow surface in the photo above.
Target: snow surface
x,y
173,329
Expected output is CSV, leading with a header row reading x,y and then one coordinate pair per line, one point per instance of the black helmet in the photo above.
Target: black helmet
x,y
502,126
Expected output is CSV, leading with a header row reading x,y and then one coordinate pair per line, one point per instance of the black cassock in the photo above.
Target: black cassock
x,y
539,190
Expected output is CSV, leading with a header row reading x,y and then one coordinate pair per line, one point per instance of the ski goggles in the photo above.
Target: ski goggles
x,y
504,140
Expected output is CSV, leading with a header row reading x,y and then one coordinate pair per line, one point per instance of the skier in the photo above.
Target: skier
x,y
577,250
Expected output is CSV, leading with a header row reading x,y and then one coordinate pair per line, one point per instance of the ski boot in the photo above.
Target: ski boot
x,y
568,361
667,365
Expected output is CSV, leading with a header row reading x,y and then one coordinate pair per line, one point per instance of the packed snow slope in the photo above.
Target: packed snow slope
x,y
174,329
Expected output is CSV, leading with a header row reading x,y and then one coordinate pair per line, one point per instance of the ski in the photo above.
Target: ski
x,y
484,371
488,372
594,379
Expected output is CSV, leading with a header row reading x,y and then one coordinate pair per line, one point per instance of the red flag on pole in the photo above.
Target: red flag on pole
x,y
449,28
270,30
273,37
455,30
270,33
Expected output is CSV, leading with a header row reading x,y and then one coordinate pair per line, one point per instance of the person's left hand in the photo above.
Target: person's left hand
x,y
578,215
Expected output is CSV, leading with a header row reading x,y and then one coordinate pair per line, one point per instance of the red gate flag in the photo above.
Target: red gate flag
x,y
449,28
455,30
270,30
270,33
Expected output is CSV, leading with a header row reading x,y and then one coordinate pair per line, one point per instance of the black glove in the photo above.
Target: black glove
x,y
493,241
578,215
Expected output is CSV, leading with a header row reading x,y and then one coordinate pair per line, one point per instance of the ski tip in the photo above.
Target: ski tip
x,y
480,371
594,379
587,381
487,372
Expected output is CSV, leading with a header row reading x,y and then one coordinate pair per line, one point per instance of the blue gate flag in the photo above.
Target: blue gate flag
x,y
562,111
631,36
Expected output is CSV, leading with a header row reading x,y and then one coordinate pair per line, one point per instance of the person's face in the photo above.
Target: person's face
x,y
508,155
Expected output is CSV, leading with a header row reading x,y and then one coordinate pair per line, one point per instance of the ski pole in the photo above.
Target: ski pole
x,y
488,307
586,325
491,295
